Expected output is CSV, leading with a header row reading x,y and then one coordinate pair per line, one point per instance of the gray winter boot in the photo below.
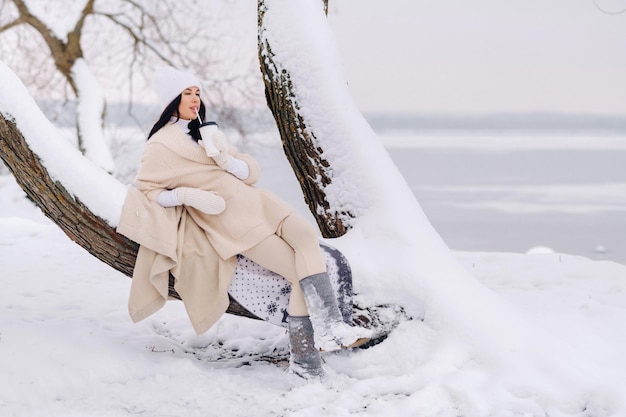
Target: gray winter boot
x,y
304,359
331,332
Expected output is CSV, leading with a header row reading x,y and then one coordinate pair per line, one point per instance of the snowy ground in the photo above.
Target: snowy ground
x,y
68,348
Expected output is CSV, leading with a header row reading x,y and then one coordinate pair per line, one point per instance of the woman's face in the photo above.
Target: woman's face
x,y
189,103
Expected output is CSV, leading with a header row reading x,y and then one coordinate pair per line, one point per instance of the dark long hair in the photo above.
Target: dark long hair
x,y
172,110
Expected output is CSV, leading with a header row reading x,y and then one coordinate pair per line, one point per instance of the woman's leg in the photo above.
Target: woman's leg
x,y
320,297
297,303
302,237
276,255
294,253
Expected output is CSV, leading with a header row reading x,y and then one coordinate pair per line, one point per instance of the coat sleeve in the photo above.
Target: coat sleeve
x,y
155,174
149,224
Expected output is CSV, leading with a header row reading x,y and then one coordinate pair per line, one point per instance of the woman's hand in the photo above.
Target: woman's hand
x,y
219,141
208,202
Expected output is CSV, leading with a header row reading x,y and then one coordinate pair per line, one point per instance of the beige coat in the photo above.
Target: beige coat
x,y
198,249
170,241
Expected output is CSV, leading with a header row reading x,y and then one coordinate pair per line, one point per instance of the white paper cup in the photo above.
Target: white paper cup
x,y
207,130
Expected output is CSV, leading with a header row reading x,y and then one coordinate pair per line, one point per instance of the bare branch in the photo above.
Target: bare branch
x,y
87,10
27,17
140,40
10,25
595,2
64,56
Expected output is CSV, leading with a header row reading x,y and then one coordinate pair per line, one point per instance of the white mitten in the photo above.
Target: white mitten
x,y
208,202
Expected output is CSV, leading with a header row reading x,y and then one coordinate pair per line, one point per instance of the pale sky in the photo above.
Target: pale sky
x,y
480,56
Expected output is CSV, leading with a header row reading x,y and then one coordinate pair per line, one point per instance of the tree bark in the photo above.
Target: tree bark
x,y
78,222
72,216
306,160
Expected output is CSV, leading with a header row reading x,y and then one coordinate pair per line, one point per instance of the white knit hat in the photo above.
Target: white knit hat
x,y
169,82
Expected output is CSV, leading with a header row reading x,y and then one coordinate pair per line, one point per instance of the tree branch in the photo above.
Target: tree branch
x,y
12,24
27,17
64,56
595,2
139,39
87,10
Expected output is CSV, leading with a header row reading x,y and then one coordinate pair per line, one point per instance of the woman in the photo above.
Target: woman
x,y
218,197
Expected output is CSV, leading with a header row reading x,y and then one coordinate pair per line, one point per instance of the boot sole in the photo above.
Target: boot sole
x,y
359,342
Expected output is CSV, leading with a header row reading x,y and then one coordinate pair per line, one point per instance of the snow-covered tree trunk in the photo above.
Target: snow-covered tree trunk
x,y
299,141
353,188
345,173
90,113
68,212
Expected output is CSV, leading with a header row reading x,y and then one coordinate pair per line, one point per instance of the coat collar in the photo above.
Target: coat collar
x,y
173,137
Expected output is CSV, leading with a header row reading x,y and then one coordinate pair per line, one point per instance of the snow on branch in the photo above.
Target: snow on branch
x,y
97,189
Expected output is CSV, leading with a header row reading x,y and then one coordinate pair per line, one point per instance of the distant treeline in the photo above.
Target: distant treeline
x,y
509,121
143,115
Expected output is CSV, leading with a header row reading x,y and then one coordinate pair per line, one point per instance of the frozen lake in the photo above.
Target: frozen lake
x,y
496,198
510,193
